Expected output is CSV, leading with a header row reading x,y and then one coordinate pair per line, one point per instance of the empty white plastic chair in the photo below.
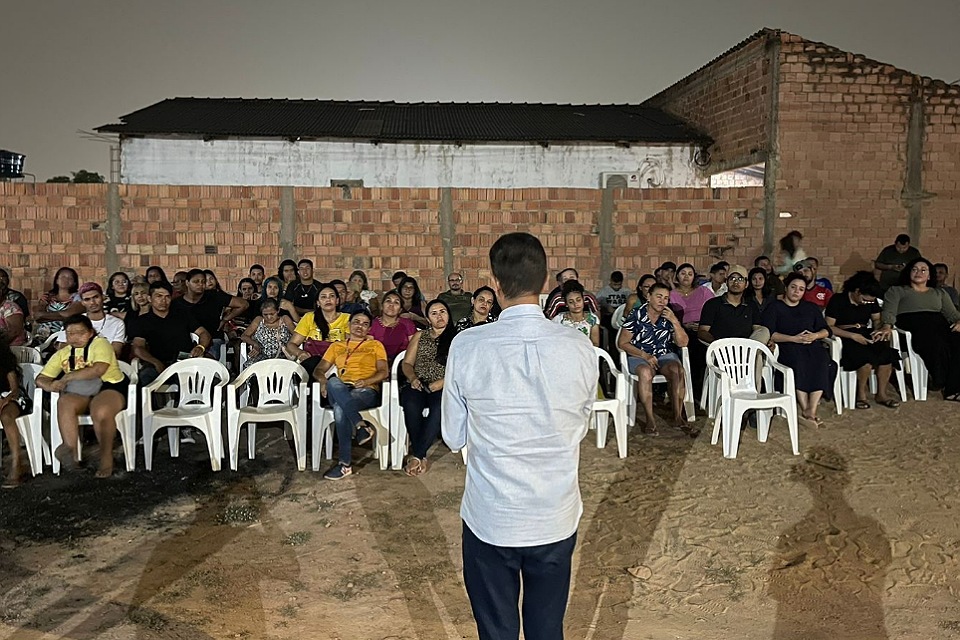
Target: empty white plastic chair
x,y
616,407
281,397
734,362
200,383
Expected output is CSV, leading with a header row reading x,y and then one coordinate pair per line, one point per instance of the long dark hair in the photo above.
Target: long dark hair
x,y
446,336
163,275
905,274
788,243
767,288
865,283
54,290
110,292
417,294
318,318
283,264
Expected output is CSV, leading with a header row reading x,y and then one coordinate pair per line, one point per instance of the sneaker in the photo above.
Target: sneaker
x,y
364,435
338,472
186,435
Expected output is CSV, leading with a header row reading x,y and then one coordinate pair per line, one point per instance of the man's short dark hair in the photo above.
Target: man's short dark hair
x,y
193,273
655,286
718,267
163,285
941,264
305,261
338,282
617,276
256,266
563,271
758,259
902,239
78,318
519,264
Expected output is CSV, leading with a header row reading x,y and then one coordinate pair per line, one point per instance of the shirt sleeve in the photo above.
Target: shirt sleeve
x,y
769,318
54,366
306,326
333,352
709,312
891,305
453,408
950,311
101,351
832,309
379,350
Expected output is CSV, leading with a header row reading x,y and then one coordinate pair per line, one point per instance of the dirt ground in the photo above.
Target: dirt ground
x,y
857,538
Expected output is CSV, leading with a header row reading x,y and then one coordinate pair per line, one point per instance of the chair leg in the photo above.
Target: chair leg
x,y
315,437
148,443
902,383
763,424
717,426
733,431
25,428
173,439
791,409
620,426
600,424
251,440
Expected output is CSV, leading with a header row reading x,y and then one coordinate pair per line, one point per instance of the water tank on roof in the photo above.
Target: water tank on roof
x,y
11,164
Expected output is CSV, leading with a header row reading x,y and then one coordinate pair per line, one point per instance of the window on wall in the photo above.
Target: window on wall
x,y
750,176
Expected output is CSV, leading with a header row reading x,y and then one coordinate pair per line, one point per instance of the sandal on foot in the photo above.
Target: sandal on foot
x,y
414,467
890,404
68,461
364,434
862,404
953,397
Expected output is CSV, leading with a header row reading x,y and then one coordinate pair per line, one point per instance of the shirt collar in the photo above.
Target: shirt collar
x,y
521,311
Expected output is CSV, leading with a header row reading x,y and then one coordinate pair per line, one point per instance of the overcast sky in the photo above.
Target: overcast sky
x,y
70,65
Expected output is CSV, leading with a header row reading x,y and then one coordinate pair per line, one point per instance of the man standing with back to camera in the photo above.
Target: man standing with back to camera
x,y
517,395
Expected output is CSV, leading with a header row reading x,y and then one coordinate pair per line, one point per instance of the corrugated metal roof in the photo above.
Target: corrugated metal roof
x,y
396,121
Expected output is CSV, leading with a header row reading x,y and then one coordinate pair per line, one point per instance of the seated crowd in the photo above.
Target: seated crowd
x,y
347,336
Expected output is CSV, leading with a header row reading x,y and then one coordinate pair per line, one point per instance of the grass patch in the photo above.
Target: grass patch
x,y
297,538
238,513
354,584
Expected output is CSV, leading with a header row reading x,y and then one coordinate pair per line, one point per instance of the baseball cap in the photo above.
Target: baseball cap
x,y
737,269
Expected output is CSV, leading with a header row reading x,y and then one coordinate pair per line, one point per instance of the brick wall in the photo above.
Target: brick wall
x,y
729,99
843,127
46,226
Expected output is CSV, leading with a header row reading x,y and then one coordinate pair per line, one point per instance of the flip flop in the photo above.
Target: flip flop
x,y
953,397
890,404
862,404
414,467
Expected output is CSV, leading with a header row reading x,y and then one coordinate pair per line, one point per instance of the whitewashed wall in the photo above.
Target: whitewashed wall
x,y
277,162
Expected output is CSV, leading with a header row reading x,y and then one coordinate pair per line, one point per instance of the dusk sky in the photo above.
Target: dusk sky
x,y
70,66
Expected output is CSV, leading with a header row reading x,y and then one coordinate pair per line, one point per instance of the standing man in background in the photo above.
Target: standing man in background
x,y
459,301
517,395
892,259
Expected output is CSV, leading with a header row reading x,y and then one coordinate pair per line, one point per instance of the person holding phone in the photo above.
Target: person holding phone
x,y
854,316
796,326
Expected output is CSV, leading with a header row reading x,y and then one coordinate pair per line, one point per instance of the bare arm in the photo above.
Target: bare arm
x,y
141,351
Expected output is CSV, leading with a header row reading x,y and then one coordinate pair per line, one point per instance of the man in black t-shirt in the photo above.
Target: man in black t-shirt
x,y
729,315
160,337
892,259
303,293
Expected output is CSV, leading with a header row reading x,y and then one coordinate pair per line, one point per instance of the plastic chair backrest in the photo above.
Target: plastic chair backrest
x,y
196,379
543,299
129,370
275,381
30,371
617,316
27,355
602,354
396,364
737,357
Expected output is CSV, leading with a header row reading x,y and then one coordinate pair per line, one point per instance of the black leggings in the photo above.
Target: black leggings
x,y
937,346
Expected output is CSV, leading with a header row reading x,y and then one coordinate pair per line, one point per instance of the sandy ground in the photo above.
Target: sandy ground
x,y
857,538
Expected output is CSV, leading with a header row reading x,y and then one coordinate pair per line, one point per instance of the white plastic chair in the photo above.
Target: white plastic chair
x,y
912,364
617,318
25,423
734,361
616,407
688,404
378,417
834,347
279,399
126,424
398,427
848,381
200,383
543,299
27,355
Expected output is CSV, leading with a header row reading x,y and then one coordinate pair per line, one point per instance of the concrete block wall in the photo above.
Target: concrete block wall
x,y
380,231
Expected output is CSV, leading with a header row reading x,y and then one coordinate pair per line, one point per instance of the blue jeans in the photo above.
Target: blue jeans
x,y
423,431
493,575
347,403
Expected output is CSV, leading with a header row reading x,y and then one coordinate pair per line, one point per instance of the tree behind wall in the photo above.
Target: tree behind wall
x,y
80,177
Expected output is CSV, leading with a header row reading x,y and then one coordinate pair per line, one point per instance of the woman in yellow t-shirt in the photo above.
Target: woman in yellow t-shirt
x,y
317,330
361,365
88,378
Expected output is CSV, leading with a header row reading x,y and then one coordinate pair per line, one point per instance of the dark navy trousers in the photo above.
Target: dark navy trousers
x,y
493,575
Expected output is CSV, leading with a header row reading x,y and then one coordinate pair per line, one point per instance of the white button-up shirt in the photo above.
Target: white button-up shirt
x,y
519,393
